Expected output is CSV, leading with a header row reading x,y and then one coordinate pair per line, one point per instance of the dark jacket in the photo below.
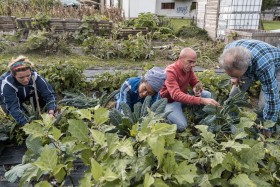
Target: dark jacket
x,y
129,93
13,94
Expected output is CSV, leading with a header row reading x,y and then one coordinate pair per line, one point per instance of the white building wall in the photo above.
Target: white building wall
x,y
200,16
125,7
111,3
182,9
132,8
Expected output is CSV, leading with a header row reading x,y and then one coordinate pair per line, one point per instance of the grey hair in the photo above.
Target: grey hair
x,y
238,58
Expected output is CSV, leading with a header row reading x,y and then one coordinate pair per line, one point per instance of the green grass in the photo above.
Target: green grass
x,y
178,23
271,25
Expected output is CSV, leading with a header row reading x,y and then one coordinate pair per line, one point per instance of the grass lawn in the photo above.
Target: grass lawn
x,y
271,25
178,23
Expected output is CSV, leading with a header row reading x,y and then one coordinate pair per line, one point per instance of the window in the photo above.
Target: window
x,y
167,5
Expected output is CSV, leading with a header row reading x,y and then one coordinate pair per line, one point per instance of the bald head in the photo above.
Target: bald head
x,y
187,58
187,52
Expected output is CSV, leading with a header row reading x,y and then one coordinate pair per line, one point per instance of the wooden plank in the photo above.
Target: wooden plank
x,y
57,24
7,23
72,24
24,23
7,19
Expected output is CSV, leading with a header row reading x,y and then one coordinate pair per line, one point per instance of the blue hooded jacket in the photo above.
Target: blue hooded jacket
x,y
129,94
13,94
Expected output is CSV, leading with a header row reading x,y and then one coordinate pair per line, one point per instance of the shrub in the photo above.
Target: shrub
x,y
137,47
192,31
101,47
165,30
147,20
46,42
64,76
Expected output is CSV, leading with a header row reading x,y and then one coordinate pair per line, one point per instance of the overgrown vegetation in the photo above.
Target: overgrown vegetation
x,y
43,39
148,152
141,143
193,31
53,8
221,147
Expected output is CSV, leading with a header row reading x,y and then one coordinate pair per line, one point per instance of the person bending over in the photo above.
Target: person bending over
x,y
21,83
135,89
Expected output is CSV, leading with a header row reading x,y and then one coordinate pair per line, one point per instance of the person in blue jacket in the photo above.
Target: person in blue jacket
x,y
135,89
19,85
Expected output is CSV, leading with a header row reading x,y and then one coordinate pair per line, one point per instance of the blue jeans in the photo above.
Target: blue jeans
x,y
177,116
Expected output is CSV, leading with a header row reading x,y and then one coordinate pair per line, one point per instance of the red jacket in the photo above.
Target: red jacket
x,y
176,83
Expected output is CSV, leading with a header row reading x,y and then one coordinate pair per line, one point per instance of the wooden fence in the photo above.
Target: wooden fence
x,y
100,28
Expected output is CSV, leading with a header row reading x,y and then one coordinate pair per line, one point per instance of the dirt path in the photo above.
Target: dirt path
x,y
91,72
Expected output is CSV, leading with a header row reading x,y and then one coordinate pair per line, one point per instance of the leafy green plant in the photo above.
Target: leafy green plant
x,y
223,119
64,76
110,81
218,84
147,20
192,31
165,30
5,127
10,131
80,100
31,111
137,47
3,67
47,42
164,21
101,47
208,53
255,89
87,30
127,118
41,22
154,156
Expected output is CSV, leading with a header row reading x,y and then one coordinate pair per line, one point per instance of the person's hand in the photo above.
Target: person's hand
x,y
197,89
209,101
236,81
51,114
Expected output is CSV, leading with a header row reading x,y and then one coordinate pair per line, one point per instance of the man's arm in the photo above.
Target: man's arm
x,y
271,92
124,96
175,92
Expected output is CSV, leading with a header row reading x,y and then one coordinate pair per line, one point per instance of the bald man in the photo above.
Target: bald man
x,y
180,75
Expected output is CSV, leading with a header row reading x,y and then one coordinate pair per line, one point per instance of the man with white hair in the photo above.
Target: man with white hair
x,y
247,61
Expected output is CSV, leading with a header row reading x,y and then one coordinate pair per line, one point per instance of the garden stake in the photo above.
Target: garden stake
x,y
36,95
